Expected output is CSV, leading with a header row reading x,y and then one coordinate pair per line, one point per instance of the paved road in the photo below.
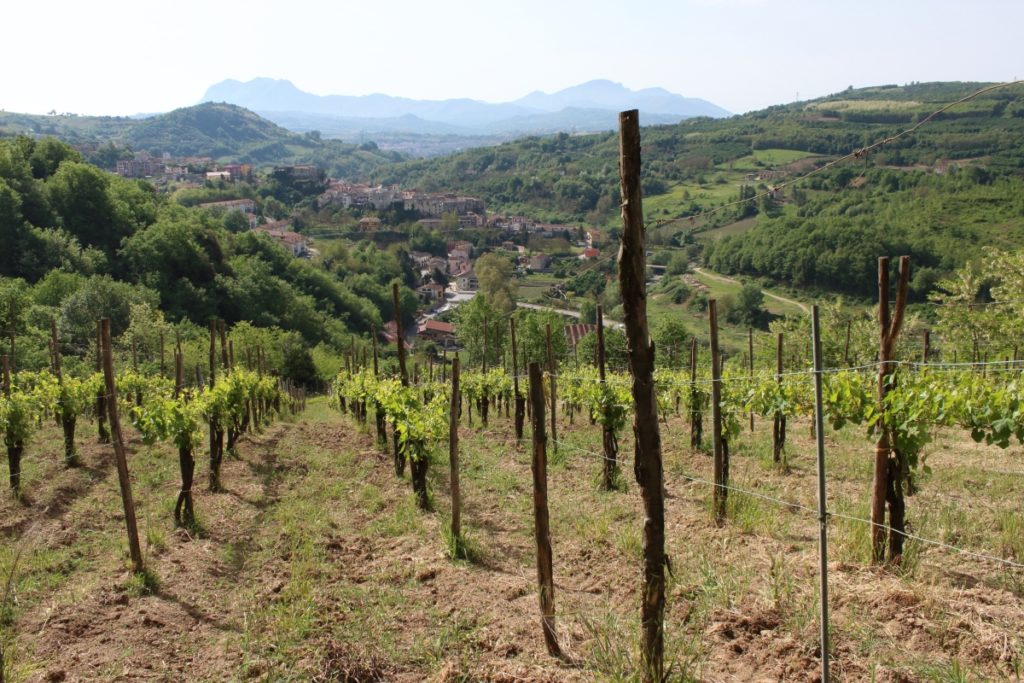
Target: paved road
x,y
608,322
731,281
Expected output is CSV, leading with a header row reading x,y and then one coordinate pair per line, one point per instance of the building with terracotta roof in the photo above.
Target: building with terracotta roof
x,y
436,331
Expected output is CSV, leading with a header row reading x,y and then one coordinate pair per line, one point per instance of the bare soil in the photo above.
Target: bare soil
x,y
315,565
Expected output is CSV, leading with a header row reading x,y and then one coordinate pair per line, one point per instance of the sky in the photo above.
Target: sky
x,y
122,57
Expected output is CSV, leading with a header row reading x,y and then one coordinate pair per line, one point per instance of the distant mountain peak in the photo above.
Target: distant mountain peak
x,y
586,107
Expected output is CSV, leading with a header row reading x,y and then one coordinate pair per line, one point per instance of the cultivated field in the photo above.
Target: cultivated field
x,y
316,565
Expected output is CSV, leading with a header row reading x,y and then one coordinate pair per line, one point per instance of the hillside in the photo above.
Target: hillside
x,y
223,132
704,163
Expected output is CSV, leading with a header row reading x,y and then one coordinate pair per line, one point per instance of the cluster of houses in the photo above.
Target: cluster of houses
x,y
457,267
188,169
470,211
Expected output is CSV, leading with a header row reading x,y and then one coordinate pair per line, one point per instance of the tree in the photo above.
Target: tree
x,y
440,278
298,362
98,209
531,333
672,340
495,275
470,331
616,355
588,312
101,297
678,265
748,308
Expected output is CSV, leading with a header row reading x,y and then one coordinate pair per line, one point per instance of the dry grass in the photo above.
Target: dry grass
x,y
316,565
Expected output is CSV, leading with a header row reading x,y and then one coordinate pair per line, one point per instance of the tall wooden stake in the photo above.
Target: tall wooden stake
x,y
453,456
696,410
216,430
611,464
750,360
400,341
541,527
647,437
819,419
779,421
520,400
552,368
101,393
888,477
134,548
15,449
721,460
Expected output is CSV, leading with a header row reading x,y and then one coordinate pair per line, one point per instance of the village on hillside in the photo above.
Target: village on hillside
x,y
446,279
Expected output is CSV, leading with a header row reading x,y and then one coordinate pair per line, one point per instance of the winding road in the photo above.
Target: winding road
x,y
731,281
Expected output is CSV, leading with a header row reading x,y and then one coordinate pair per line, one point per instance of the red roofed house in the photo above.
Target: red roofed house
x,y
437,332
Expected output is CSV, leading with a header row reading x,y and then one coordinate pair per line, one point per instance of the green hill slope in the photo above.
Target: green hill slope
x,y
223,132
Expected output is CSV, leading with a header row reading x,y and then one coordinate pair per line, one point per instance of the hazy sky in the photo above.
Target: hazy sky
x,y
130,56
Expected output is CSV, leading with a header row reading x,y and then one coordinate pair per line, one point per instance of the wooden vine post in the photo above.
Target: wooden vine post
x,y
453,456
378,411
647,437
779,420
721,457
552,367
696,410
520,400
484,399
750,365
14,448
184,510
67,417
216,429
404,374
541,526
123,479
889,467
101,395
611,464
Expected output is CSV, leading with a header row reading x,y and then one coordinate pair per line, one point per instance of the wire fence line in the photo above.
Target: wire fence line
x,y
793,505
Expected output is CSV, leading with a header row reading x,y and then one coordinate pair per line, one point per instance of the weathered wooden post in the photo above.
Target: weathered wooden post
x,y
696,409
541,526
721,457
66,416
134,548
101,393
404,374
611,464
453,456
216,429
779,421
552,368
15,448
647,437
750,359
520,400
888,474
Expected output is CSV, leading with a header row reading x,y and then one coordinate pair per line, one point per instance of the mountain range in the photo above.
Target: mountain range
x,y
588,107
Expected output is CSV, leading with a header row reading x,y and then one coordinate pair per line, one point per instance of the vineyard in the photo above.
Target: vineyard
x,y
314,523
837,503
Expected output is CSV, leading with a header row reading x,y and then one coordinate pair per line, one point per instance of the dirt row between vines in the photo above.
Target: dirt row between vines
x,y
315,565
